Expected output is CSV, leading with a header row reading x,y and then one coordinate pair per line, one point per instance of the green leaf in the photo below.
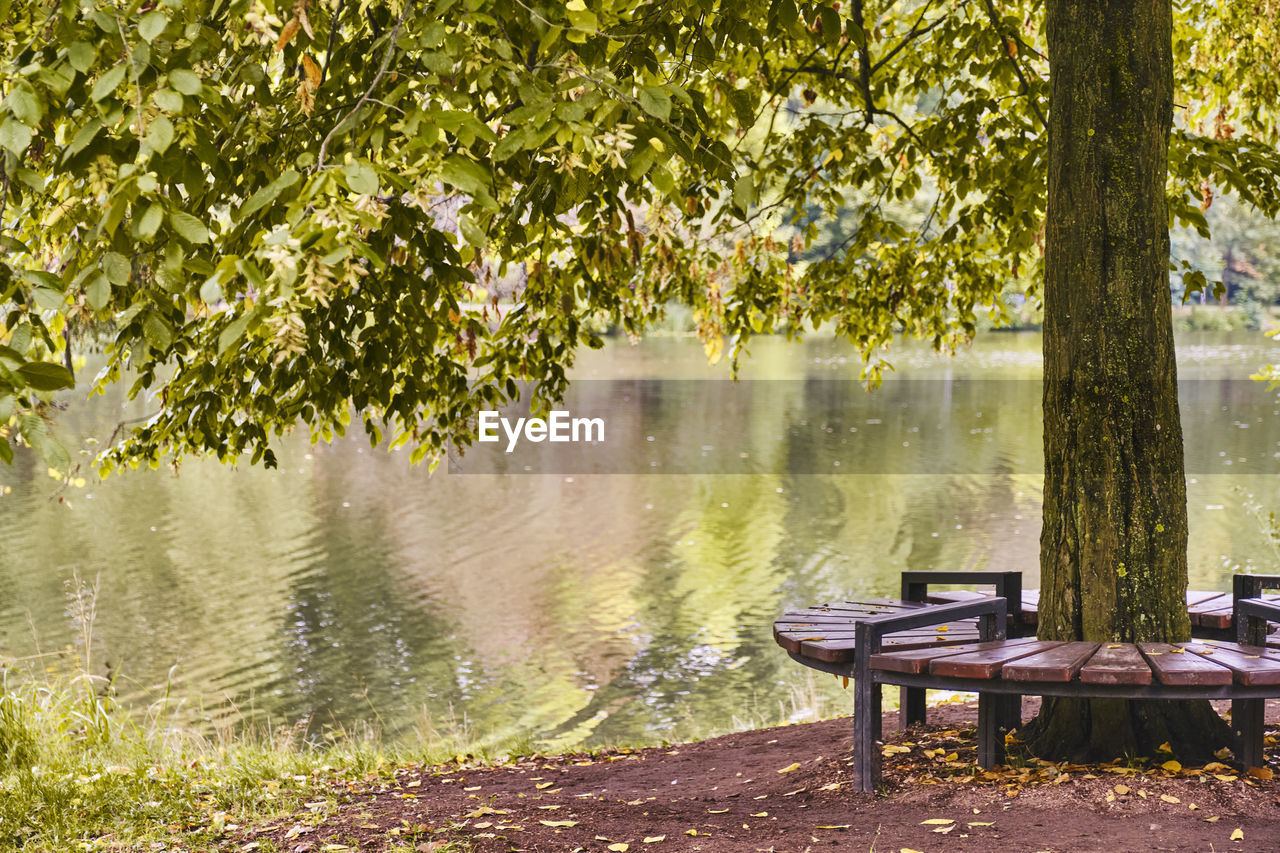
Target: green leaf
x,y
232,333
211,291
268,194
185,81
159,134
46,376
107,83
25,105
472,232
157,332
168,100
83,138
465,174
117,268
14,135
361,178
81,55
147,225
151,25
830,25
98,291
744,192
188,227
655,101
49,299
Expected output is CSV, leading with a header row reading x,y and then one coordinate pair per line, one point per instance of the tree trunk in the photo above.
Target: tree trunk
x,y
1113,551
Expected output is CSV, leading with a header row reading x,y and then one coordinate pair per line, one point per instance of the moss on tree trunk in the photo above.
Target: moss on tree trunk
x,y
1113,551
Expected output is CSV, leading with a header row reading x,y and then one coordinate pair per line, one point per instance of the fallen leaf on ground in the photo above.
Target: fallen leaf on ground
x,y
1169,799
790,767
620,847
835,826
935,821
654,839
1237,835
558,822
1172,766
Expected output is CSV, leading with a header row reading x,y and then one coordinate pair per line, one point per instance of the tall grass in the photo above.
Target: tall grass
x,y
78,772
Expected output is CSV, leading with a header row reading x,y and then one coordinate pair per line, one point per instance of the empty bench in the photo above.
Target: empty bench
x,y
1002,670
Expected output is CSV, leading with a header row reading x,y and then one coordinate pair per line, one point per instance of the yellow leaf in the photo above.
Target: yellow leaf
x,y
1263,773
790,767
945,829
982,823
558,822
935,821
286,35
1172,766
312,70
835,826
908,850
1222,777
1213,819
654,839
761,814
620,847
692,832
716,811
1237,834
1169,799
542,785
1164,747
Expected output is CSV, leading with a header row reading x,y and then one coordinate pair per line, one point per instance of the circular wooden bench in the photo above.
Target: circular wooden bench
x,y
1002,670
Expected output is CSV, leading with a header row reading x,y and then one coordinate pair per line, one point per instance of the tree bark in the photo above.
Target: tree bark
x,y
1113,551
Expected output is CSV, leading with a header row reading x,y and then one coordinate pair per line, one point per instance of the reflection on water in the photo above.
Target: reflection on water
x,y
349,587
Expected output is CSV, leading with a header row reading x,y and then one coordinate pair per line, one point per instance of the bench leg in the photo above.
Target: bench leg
x,y
990,736
1010,712
1246,721
866,733
911,706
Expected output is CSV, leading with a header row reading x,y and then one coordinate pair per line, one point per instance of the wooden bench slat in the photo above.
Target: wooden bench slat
x,y
1197,597
1252,665
917,660
1174,665
986,663
792,639
1058,664
842,649
1116,663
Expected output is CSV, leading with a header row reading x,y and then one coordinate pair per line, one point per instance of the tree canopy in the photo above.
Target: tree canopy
x,y
276,214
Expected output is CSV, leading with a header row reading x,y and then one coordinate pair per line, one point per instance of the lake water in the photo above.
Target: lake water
x,y
576,607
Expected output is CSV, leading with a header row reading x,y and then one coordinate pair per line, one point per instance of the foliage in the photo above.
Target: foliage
x,y
286,213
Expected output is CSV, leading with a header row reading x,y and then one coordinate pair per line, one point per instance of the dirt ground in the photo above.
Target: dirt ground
x,y
787,790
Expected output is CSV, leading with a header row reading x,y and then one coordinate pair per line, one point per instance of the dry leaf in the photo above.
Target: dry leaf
x,y
1121,789
543,785
835,826
1172,766
716,811
1263,773
935,821
558,822
620,847
790,767
300,9
654,839
1237,834
286,35
1169,799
